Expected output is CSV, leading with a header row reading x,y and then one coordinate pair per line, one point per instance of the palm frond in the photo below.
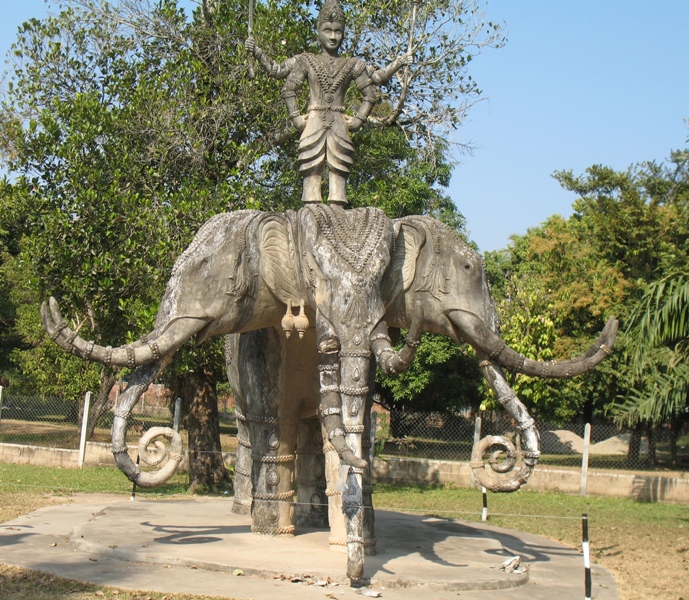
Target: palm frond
x,y
663,397
661,319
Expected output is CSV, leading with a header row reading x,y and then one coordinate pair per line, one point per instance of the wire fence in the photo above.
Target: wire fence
x,y
448,436
54,422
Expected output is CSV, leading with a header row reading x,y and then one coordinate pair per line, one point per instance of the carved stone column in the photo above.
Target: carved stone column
x,y
242,471
312,503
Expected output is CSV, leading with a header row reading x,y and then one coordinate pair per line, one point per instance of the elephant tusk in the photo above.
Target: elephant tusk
x,y
391,361
472,329
141,352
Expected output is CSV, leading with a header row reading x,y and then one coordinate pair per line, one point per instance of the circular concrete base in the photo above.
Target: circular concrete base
x,y
199,546
412,551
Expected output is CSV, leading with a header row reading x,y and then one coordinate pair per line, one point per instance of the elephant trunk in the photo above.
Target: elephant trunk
x,y
141,352
528,437
138,383
331,404
474,331
390,361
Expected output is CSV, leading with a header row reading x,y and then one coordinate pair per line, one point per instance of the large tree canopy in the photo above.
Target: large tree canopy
x,y
629,229
124,126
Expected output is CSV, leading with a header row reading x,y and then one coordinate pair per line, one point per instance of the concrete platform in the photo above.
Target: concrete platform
x,y
196,545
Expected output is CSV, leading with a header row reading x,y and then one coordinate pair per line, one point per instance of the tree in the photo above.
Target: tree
x,y
659,352
628,229
125,127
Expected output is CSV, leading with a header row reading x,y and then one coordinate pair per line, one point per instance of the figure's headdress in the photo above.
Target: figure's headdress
x,y
331,12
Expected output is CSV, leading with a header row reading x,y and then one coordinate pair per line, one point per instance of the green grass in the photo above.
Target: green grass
x,y
51,480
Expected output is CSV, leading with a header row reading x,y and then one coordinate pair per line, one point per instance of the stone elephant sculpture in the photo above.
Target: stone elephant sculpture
x,y
351,273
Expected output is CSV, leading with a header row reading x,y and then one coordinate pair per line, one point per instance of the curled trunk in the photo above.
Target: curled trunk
x,y
528,437
138,383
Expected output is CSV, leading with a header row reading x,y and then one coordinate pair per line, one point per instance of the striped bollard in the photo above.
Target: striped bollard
x,y
484,512
587,557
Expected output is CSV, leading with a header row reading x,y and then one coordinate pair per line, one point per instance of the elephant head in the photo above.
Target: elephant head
x,y
220,284
434,268
243,272
345,254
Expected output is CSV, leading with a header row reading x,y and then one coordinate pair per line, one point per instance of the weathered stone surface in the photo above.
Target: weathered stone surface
x,y
349,274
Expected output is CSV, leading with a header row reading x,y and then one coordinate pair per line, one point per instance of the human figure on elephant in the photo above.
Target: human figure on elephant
x,y
325,138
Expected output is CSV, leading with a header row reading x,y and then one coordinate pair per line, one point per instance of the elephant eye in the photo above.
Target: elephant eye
x,y
467,266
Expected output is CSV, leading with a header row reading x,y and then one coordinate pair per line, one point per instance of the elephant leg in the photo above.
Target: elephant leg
x,y
312,506
367,486
528,436
338,533
273,475
271,426
242,469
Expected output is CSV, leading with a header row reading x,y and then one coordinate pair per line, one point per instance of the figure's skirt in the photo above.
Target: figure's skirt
x,y
320,144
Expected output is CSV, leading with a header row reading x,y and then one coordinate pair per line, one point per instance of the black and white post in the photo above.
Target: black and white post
x,y
587,556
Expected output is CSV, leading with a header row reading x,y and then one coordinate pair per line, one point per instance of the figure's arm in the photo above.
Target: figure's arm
x,y
382,75
289,94
274,69
365,84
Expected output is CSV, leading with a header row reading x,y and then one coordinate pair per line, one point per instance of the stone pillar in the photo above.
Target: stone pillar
x,y
242,470
312,503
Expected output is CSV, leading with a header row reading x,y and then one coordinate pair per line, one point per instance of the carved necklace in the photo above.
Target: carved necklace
x,y
330,71
354,234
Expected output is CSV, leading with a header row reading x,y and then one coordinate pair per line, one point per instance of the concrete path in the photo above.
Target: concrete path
x,y
196,546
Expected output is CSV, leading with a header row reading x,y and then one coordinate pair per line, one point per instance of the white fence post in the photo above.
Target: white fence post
x,y
477,437
84,427
372,438
585,460
0,403
178,410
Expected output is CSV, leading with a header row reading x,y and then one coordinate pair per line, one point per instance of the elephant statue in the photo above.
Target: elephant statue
x,y
306,397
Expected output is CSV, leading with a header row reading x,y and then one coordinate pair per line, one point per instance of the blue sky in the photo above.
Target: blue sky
x,y
578,83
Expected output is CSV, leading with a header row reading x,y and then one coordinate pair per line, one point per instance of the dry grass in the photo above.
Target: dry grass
x,y
22,584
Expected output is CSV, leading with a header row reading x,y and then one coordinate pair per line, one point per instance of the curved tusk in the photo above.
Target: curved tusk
x,y
471,328
388,359
140,352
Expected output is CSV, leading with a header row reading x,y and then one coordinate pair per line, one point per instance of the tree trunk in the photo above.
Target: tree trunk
x,y
675,426
102,402
634,447
651,429
207,471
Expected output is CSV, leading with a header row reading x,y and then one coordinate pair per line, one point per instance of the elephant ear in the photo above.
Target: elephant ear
x,y
277,266
398,278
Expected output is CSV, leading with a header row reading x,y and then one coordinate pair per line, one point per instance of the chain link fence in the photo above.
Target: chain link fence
x,y
447,436
53,422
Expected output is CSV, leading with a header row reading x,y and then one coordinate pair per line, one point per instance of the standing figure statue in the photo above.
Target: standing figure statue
x,y
325,127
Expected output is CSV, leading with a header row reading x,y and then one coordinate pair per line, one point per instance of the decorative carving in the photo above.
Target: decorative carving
x,y
353,234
